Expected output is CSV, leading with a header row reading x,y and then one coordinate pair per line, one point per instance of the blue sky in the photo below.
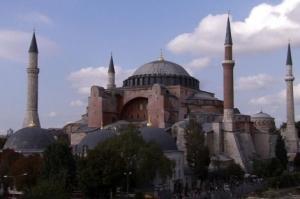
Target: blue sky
x,y
76,37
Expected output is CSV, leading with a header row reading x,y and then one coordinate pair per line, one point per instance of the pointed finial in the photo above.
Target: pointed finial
x,y
228,38
289,61
161,58
261,110
111,68
33,45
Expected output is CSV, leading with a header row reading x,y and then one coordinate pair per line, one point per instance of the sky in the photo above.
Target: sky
x,y
76,37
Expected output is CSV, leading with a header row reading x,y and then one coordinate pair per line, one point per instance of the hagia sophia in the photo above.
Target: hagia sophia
x,y
160,98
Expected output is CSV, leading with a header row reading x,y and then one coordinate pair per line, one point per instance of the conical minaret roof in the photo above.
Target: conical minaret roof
x,y
289,56
111,68
228,38
33,45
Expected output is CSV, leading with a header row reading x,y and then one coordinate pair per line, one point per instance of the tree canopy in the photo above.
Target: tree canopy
x,y
108,165
197,152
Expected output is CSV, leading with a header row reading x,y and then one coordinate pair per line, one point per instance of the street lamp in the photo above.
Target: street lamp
x,y
127,174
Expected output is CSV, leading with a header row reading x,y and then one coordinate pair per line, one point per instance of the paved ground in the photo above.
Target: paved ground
x,y
288,193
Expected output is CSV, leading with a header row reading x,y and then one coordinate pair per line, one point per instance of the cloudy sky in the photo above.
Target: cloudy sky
x,y
76,37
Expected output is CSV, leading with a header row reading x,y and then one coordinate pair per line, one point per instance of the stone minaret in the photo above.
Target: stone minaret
x,y
111,74
31,116
291,136
228,65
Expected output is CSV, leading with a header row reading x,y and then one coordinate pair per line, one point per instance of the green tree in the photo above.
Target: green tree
x,y
47,189
2,142
297,162
267,168
29,165
59,164
280,151
197,152
104,167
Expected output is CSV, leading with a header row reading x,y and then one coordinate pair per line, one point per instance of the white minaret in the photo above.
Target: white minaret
x,y
31,116
291,136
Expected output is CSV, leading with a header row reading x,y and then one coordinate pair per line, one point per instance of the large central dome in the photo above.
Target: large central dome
x,y
161,72
161,67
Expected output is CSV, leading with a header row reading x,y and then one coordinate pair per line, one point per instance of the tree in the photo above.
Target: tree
x,y
2,142
268,168
59,165
47,189
197,152
297,162
105,167
29,165
280,151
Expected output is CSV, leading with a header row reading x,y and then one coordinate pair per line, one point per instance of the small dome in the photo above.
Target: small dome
x,y
261,115
159,136
161,67
92,139
29,140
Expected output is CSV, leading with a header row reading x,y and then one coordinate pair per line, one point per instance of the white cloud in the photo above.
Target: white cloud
x,y
267,27
84,78
14,45
36,18
277,98
199,63
76,103
259,81
52,114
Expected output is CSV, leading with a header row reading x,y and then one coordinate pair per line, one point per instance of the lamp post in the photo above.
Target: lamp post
x,y
127,174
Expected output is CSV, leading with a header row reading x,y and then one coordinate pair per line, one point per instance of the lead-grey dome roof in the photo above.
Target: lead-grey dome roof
x,y
93,138
159,136
29,140
161,67
261,115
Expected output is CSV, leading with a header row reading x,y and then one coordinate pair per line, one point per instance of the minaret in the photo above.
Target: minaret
x,y
111,74
291,136
228,65
31,116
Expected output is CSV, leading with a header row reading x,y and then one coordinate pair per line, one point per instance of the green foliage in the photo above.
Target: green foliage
x,y
47,189
298,128
297,162
284,180
104,167
59,164
234,171
2,142
267,168
32,166
197,153
280,151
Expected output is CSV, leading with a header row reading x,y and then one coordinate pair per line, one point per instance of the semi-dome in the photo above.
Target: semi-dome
x,y
159,136
161,67
261,115
161,72
29,140
92,139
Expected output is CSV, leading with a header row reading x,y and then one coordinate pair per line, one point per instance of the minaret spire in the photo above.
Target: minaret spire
x,y
289,61
291,135
33,45
228,38
31,116
111,74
